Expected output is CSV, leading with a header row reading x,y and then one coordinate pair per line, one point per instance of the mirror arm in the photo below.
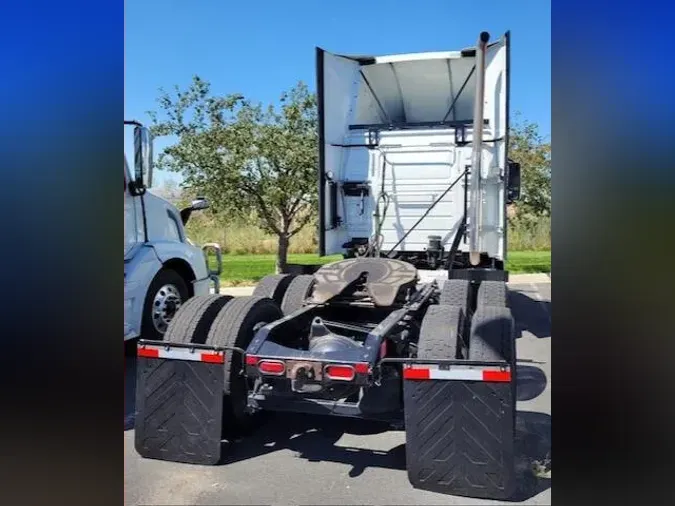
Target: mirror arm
x,y
136,188
185,215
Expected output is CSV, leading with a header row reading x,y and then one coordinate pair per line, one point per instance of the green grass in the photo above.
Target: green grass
x,y
521,262
248,269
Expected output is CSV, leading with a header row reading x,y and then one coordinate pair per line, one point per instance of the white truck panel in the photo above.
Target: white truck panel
x,y
422,161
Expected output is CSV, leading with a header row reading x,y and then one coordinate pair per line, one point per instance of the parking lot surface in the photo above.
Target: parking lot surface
x,y
302,459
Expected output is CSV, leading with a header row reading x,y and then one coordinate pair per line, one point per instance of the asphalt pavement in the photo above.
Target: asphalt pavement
x,y
302,459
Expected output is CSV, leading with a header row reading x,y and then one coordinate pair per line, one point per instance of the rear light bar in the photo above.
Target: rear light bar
x,y
433,372
217,357
338,372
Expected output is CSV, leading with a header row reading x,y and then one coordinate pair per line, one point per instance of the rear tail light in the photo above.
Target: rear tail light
x,y
362,367
340,372
274,367
251,360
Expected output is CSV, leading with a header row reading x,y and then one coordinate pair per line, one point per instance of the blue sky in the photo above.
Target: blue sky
x,y
260,48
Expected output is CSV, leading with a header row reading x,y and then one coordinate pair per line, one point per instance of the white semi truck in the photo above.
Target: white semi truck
x,y
162,268
413,180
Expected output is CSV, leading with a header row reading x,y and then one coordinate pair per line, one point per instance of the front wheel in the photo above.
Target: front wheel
x,y
166,294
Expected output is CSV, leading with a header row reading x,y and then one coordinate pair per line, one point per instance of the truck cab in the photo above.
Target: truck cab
x,y
413,155
162,268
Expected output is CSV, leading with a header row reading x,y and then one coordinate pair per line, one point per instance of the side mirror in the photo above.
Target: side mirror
x,y
513,183
142,157
199,204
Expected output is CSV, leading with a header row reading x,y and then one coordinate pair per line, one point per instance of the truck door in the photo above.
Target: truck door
x,y
337,82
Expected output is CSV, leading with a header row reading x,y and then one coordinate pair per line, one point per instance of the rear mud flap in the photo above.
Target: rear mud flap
x,y
460,437
179,410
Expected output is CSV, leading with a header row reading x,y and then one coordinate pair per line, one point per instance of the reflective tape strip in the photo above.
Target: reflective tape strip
x,y
459,373
216,357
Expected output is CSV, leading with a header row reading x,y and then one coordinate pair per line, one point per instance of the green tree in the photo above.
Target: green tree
x,y
528,147
248,160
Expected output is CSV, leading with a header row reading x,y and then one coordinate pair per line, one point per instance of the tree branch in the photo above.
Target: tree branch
x,y
301,223
264,210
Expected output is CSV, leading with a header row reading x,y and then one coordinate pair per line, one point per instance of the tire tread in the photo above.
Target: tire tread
x,y
298,290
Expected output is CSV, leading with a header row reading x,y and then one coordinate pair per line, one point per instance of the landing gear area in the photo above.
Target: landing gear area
x,y
361,338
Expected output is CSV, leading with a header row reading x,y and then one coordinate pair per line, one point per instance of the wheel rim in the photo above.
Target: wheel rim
x,y
166,302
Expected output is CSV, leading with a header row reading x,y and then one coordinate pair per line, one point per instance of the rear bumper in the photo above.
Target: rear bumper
x,y
300,404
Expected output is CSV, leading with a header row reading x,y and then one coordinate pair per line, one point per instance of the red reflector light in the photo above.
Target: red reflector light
x,y
272,367
213,358
251,360
500,376
340,372
361,368
148,352
416,374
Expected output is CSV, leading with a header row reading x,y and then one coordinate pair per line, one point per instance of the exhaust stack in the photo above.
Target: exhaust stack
x,y
475,205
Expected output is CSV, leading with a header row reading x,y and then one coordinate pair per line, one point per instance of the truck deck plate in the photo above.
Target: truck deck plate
x,y
179,406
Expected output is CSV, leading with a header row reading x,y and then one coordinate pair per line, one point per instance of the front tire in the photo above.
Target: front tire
x,y
167,292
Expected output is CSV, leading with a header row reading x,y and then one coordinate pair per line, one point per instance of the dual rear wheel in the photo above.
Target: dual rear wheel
x,y
226,322
458,329
460,434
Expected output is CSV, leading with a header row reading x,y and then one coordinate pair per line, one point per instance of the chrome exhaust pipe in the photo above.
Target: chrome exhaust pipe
x,y
475,205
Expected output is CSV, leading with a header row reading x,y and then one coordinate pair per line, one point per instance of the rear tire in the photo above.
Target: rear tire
x,y
273,287
492,293
166,294
441,332
455,292
236,325
492,332
460,433
298,291
193,320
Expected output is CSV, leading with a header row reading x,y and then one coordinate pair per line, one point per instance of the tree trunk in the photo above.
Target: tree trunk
x,y
282,254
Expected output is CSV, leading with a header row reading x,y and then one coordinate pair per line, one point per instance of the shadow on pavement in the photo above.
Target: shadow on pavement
x,y
533,448
531,315
314,438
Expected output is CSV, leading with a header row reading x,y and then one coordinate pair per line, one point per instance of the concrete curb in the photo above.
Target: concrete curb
x,y
514,279
517,279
